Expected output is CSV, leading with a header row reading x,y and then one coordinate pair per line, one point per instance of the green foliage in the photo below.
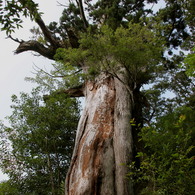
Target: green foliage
x,y
189,64
71,19
12,10
167,165
36,150
116,12
136,48
6,188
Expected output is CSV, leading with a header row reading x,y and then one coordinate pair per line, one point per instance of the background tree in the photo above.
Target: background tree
x,y
110,76
167,165
41,139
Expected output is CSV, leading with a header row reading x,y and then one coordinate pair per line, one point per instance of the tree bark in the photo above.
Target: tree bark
x,y
103,146
36,47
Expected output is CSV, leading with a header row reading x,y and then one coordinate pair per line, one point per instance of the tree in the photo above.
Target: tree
x,y
36,149
168,160
113,53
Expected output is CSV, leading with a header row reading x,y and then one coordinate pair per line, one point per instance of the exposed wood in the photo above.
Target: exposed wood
x,y
103,147
92,167
36,47
72,92
123,140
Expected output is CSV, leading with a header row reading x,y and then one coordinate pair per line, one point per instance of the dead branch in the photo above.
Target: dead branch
x,y
15,39
72,92
60,4
75,92
36,47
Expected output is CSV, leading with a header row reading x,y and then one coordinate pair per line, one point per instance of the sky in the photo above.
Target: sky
x,y
14,68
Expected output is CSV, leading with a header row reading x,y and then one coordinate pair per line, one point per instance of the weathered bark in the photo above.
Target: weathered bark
x,y
103,147
123,141
36,47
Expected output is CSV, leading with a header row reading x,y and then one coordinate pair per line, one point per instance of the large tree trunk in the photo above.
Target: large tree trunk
x,y
103,147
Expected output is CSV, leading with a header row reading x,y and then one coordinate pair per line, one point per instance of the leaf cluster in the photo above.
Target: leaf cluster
x,y
136,49
117,12
12,11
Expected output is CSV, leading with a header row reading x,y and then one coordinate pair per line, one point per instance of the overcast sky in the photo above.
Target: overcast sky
x,y
14,68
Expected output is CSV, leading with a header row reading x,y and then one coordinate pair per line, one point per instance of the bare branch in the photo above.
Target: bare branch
x,y
36,47
75,92
72,92
15,39
60,4
152,115
57,70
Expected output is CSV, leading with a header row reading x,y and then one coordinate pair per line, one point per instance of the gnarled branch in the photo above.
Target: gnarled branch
x,y
36,47
54,43
72,92
75,92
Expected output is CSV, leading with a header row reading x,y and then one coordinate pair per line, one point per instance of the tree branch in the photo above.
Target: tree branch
x,y
82,13
32,8
15,39
60,4
73,40
75,92
36,47
72,92
47,34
